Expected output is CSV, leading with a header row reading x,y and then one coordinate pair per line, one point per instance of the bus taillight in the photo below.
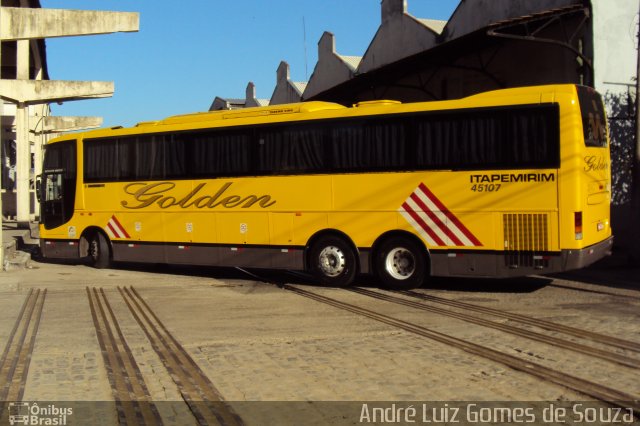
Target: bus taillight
x,y
578,225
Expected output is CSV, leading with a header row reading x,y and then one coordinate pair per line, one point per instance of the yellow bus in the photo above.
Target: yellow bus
x,y
501,184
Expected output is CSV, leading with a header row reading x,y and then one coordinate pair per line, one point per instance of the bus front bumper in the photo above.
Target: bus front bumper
x,y
59,249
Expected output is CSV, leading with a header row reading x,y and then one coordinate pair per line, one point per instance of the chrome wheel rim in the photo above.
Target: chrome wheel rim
x,y
94,250
332,261
400,263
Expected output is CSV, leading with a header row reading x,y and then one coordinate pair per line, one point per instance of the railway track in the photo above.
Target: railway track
x,y
591,389
133,401
198,392
539,337
16,357
130,392
601,292
536,322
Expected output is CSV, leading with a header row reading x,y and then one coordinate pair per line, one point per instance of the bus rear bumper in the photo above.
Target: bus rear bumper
x,y
516,264
577,259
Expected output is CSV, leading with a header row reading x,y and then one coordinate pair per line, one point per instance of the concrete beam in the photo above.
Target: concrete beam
x,y
30,23
43,91
68,124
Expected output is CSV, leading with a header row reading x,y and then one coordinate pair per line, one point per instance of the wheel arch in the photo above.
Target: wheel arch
x,y
85,237
402,234
334,233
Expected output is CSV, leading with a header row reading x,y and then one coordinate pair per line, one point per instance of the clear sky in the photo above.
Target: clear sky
x,y
188,52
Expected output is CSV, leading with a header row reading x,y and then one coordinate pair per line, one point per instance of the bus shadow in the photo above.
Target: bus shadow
x,y
280,277
488,285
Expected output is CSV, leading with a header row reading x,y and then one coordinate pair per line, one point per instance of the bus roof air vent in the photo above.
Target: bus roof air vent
x,y
146,123
381,102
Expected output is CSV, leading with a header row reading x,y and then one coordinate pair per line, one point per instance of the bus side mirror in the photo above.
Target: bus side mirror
x,y
39,188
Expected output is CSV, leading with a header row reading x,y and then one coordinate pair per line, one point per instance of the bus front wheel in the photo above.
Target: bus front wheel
x,y
99,253
400,264
333,261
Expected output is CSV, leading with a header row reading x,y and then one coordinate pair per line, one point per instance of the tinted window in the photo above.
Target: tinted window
x,y
488,138
58,184
368,144
594,123
145,157
499,139
290,149
149,152
60,156
218,153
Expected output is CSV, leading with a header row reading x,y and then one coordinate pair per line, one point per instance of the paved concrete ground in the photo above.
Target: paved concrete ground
x,y
257,342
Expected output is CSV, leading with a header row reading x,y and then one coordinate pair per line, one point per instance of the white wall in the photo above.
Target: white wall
x,y
615,38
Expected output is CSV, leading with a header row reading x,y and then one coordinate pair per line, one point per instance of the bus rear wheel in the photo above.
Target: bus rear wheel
x,y
400,264
333,261
99,252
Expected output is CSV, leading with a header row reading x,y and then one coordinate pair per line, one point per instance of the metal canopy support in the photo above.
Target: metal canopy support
x,y
529,28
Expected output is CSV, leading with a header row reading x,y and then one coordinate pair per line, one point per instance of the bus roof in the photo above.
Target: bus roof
x,y
275,113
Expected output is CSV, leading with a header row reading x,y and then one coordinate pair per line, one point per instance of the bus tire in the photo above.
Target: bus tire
x,y
333,261
99,251
400,263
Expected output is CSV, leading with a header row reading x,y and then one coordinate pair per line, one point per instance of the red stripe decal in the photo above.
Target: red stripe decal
x,y
120,227
450,215
113,230
423,224
456,241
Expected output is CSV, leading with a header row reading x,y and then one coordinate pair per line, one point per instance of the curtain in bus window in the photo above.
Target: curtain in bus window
x,y
537,145
504,138
369,146
149,153
100,160
175,158
446,142
219,154
294,149
126,158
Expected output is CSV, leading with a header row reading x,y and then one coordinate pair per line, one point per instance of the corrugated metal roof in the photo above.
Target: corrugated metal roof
x,y
299,86
437,26
351,61
539,15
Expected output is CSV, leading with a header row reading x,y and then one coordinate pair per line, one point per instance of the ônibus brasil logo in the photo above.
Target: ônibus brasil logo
x,y
25,413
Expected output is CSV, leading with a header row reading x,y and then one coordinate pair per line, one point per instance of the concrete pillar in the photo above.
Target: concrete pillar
x,y
23,164
23,145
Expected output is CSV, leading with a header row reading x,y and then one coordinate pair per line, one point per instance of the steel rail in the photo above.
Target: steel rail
x,y
547,325
585,387
529,334
16,357
198,392
606,293
133,400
